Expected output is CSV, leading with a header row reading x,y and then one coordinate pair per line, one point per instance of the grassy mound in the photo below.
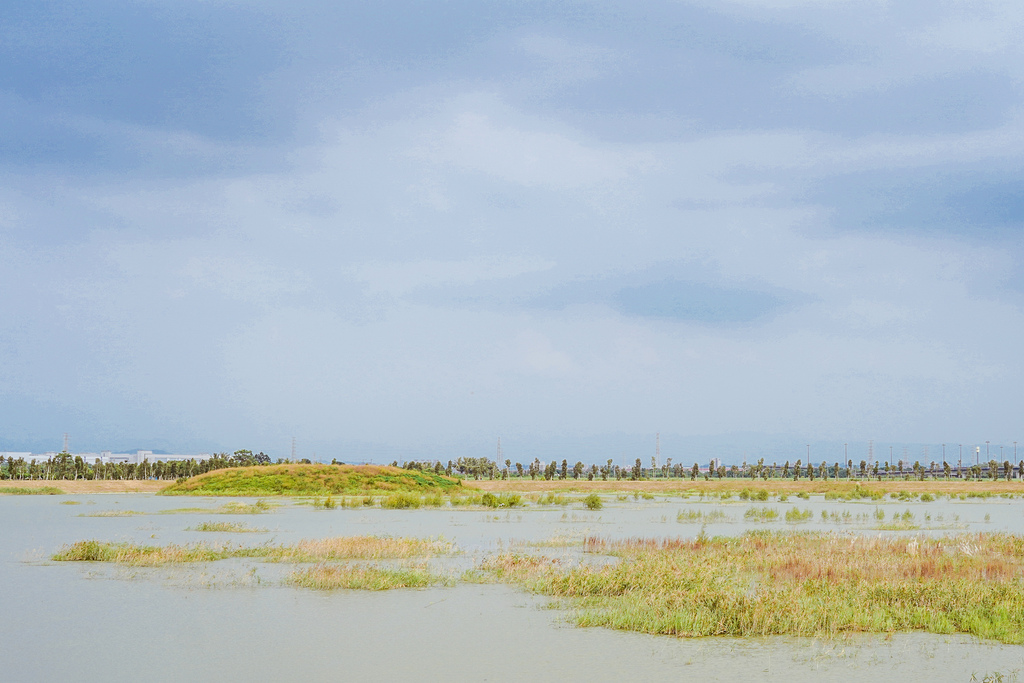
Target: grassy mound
x,y
312,480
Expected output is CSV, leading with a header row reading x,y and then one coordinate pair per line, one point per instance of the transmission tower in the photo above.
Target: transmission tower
x,y
65,442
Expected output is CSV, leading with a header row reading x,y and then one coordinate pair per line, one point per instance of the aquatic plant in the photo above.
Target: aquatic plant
x,y
401,501
333,577
505,500
593,502
702,517
338,548
226,527
796,515
784,583
761,514
31,491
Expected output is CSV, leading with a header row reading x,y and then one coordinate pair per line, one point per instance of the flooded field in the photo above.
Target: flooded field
x,y
236,620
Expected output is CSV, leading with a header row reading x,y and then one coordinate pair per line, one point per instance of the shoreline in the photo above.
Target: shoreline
x,y
88,486
662,486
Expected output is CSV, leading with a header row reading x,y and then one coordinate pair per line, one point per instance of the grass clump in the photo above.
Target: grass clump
x,y
504,500
593,502
761,514
765,584
858,492
401,501
796,515
553,499
31,491
226,527
112,513
138,555
701,517
333,577
320,550
313,480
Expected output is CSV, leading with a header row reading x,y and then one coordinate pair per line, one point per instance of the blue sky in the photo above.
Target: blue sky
x,y
406,229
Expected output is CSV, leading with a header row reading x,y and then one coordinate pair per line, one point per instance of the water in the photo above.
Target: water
x,y
234,621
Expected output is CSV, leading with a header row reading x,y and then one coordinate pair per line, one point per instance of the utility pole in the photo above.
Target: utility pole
x,y
293,449
657,449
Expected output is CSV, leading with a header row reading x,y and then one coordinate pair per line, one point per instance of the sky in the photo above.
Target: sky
x,y
405,229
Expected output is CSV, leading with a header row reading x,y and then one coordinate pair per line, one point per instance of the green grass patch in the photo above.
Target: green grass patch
x,y
761,514
334,577
796,515
33,491
226,527
313,480
701,517
504,500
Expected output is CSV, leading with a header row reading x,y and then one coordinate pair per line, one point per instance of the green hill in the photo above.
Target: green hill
x,y
312,480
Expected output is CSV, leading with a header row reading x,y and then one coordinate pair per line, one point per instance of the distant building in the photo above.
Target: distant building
x,y
108,457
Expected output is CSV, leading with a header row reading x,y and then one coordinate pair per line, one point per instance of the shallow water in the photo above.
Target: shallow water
x,y
233,620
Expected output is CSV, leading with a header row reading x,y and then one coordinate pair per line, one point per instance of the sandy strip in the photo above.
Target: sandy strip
x,y
83,486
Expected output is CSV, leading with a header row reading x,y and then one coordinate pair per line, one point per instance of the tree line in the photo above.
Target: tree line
x,y
63,466
485,468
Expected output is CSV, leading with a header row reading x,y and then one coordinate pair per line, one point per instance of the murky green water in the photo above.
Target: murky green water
x,y
74,621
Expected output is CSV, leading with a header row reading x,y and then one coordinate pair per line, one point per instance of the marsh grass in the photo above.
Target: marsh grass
x,y
593,502
401,501
796,515
789,584
553,499
327,549
227,527
232,508
856,493
701,517
467,500
112,513
355,577
31,491
503,500
761,514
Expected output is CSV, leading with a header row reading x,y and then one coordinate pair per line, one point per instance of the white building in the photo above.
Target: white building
x,y
108,457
